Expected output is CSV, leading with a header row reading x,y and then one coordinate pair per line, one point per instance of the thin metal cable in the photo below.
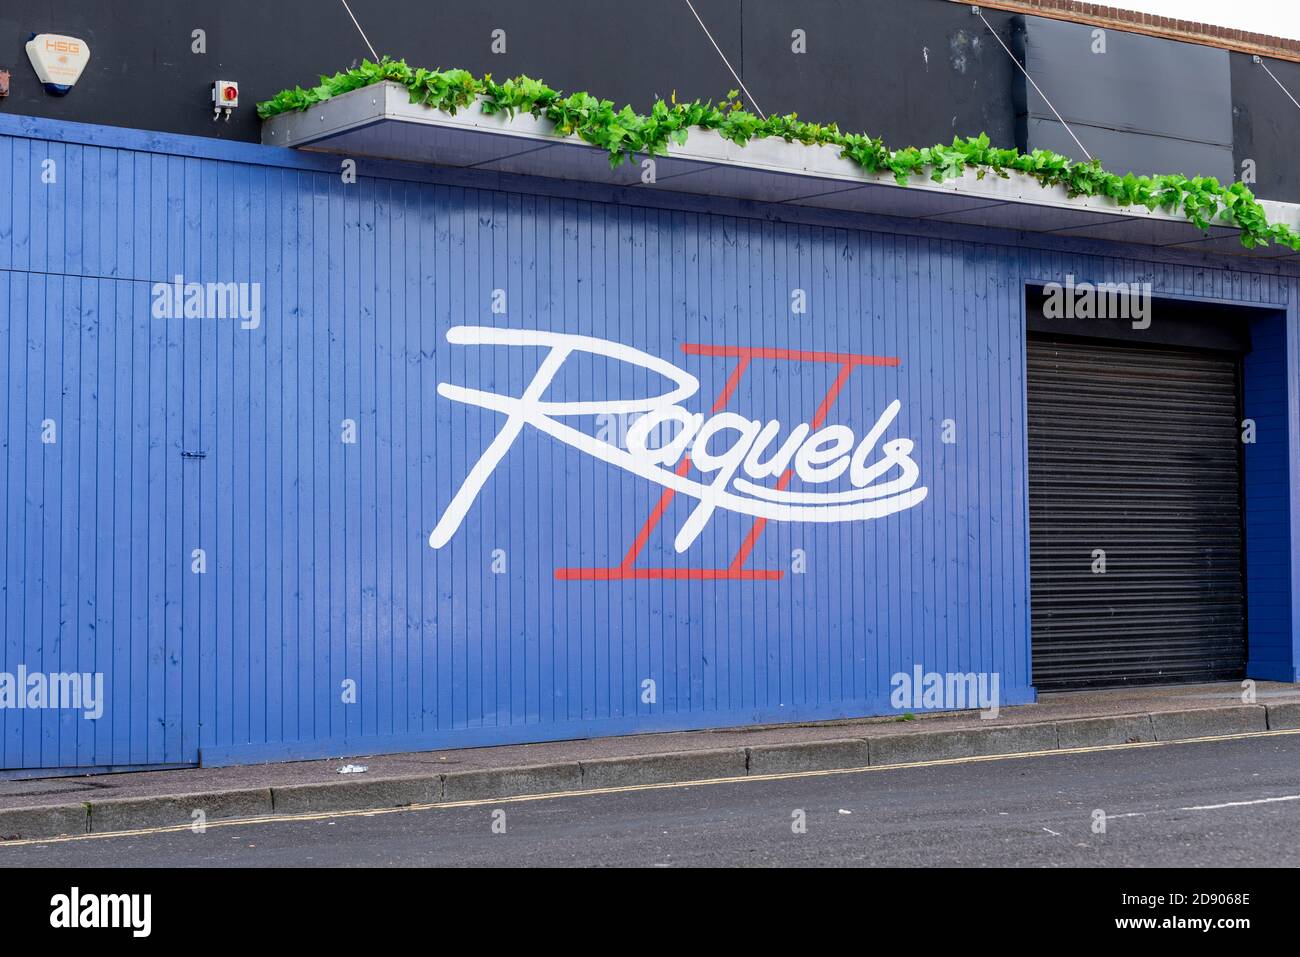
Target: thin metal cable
x,y
359,30
1260,61
979,13
726,61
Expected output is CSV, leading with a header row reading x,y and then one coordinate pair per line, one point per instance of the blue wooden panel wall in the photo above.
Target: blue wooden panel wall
x,y
1268,503
183,434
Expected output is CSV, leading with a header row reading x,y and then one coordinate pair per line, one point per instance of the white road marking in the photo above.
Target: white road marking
x,y
1216,807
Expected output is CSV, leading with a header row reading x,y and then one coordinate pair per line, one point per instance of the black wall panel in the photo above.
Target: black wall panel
x,y
912,71
1141,104
143,74
1266,126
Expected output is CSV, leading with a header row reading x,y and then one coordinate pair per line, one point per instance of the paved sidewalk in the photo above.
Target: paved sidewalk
x,y
114,802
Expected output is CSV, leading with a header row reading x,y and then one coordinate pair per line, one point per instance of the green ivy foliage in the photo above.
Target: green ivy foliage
x,y
625,133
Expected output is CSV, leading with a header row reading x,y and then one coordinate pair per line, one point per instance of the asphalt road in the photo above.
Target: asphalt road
x,y
1226,803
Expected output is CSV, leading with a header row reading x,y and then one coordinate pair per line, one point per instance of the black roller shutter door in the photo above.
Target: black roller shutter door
x,y
1134,450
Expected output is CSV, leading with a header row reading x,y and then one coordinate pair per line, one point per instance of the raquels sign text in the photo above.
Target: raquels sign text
x,y
723,460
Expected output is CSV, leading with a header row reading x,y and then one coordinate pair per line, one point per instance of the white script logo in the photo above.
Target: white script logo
x,y
816,457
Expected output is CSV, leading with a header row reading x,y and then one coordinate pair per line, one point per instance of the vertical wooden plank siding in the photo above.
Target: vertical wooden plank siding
x,y
322,620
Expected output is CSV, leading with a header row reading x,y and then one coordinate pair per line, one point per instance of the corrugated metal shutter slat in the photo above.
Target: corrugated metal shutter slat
x,y
1134,450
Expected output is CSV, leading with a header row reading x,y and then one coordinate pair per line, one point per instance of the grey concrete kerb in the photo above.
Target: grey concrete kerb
x,y
862,750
